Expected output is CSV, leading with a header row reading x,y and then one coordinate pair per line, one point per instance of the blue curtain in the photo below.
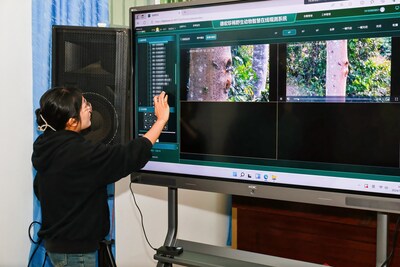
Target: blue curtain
x,y
45,14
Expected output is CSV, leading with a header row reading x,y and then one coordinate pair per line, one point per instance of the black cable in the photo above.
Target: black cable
x,y
389,258
37,243
141,216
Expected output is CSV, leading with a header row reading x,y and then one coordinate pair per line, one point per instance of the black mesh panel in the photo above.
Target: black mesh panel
x,y
96,60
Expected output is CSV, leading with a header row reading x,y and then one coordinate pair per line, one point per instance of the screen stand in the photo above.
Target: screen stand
x,y
381,238
170,239
204,255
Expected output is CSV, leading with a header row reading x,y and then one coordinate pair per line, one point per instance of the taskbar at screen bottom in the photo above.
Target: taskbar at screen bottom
x,y
388,186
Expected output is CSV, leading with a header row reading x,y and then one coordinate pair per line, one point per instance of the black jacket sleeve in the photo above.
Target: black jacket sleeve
x,y
112,163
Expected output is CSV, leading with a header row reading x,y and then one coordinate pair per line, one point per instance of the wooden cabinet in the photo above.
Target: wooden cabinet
x,y
319,234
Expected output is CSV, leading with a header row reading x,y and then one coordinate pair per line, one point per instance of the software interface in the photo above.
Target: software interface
x,y
288,92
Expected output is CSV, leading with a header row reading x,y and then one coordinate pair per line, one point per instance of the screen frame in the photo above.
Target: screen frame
x,y
304,194
315,196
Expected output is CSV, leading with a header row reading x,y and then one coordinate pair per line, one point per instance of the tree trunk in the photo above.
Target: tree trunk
x,y
337,68
209,77
260,66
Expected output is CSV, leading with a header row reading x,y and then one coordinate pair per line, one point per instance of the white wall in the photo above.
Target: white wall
x,y
202,217
16,133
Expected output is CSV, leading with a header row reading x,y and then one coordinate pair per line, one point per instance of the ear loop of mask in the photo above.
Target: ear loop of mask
x,y
43,127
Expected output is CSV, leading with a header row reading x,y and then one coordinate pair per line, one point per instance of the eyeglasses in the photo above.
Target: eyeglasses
x,y
87,104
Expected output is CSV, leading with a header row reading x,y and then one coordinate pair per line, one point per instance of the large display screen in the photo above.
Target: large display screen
x,y
284,92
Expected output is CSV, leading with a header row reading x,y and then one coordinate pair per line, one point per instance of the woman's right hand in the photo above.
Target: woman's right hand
x,y
161,107
161,111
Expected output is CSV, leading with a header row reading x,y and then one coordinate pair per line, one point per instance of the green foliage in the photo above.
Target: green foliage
x,y
306,68
369,68
369,73
244,77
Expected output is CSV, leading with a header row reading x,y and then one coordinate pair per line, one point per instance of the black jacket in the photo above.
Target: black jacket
x,y
71,185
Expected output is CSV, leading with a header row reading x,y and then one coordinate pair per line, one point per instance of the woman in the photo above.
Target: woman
x,y
73,174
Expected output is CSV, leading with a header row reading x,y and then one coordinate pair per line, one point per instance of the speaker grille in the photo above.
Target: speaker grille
x,y
96,60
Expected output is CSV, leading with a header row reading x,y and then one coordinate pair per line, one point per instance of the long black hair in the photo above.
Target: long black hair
x,y
57,106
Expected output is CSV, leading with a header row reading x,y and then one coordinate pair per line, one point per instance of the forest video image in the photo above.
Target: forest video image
x,y
341,69
354,68
229,73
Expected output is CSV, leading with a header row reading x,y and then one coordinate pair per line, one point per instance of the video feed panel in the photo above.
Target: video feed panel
x,y
339,100
364,134
225,131
345,70
224,116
